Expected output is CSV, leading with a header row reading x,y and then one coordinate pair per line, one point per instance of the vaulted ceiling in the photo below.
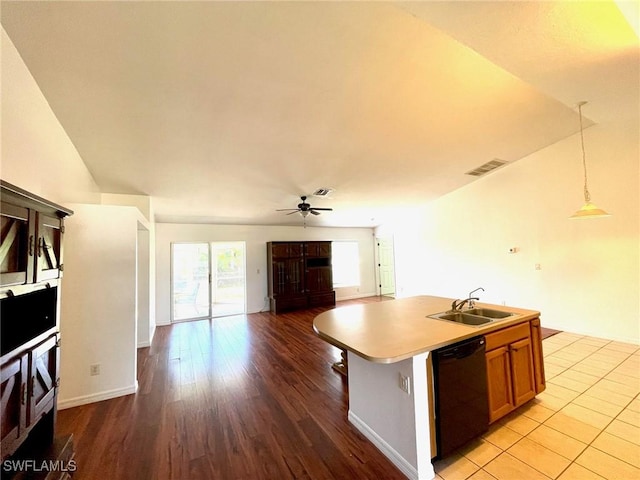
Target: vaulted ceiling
x,y
224,112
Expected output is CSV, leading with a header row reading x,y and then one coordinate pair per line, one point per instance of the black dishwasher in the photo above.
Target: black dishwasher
x,y
460,385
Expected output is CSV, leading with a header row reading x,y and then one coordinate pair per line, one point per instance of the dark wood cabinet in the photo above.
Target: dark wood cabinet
x,y
31,238
30,267
14,400
29,383
300,275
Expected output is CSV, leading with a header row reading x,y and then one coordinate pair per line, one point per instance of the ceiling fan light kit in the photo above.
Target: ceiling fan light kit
x,y
588,210
304,209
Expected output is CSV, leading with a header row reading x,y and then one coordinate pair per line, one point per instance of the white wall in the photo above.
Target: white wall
x,y
256,238
589,281
100,323
37,154
396,422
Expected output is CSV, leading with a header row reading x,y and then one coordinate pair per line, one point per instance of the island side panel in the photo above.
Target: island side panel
x,y
396,422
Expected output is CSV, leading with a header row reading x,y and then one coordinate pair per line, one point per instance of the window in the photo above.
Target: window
x,y
346,264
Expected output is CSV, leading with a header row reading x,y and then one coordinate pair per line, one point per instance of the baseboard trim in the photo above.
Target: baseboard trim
x,y
97,397
387,450
144,344
353,297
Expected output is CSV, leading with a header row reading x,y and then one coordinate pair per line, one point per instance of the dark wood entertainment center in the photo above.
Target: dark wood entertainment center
x,y
300,275
31,266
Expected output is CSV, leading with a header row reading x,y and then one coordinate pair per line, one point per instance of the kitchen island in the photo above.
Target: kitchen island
x,y
389,347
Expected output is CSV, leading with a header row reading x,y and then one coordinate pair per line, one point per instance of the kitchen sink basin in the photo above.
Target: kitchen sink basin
x,y
465,318
474,316
488,312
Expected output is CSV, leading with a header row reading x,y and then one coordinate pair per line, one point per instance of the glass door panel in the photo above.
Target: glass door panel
x,y
228,286
15,251
190,281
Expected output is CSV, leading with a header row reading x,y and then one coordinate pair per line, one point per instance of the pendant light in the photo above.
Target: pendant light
x,y
588,210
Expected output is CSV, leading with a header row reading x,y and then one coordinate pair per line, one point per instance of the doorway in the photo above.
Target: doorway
x,y
207,280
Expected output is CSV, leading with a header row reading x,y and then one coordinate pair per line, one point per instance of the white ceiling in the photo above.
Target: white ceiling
x,y
226,111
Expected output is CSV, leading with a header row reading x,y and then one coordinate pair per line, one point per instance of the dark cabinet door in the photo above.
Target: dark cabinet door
x,y
318,249
295,274
280,250
296,250
44,378
49,247
288,276
319,279
17,245
13,421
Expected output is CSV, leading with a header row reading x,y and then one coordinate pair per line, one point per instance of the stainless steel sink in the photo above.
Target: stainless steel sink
x,y
474,316
465,318
489,313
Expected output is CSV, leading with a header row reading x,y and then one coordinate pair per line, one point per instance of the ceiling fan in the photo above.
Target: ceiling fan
x,y
304,208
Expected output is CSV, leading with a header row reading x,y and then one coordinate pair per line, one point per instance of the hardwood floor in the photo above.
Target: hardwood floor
x,y
243,397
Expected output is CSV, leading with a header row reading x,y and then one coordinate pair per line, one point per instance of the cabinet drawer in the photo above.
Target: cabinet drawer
x,y
507,335
321,299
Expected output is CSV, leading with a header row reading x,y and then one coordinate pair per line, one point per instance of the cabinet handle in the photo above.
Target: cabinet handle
x,y
40,245
33,384
23,394
31,245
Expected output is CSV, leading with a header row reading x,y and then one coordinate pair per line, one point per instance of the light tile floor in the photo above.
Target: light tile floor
x,y
585,425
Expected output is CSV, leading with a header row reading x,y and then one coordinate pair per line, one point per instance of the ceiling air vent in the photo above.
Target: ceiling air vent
x,y
322,192
486,168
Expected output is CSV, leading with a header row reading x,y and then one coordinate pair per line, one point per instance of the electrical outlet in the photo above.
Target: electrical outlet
x,y
405,384
94,369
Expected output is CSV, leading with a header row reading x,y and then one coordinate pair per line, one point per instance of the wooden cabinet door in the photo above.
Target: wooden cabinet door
x,y
17,245
522,371
538,357
13,395
499,385
294,276
49,247
318,249
287,277
280,250
44,378
319,279
296,250
278,277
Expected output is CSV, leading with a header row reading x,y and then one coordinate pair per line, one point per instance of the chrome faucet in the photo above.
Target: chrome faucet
x,y
457,305
471,300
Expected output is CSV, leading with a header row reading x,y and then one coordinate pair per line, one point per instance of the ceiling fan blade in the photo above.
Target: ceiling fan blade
x,y
291,213
326,209
313,211
287,209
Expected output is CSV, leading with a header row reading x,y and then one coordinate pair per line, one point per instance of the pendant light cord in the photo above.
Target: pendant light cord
x,y
587,196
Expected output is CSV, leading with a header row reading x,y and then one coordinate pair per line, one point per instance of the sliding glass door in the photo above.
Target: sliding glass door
x,y
207,280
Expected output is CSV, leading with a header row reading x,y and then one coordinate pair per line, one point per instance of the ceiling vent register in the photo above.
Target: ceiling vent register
x,y
486,168
322,192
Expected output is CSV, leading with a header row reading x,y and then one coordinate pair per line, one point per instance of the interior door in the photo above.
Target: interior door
x,y
386,266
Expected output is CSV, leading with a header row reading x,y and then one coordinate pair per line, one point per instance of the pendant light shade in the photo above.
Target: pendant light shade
x,y
588,210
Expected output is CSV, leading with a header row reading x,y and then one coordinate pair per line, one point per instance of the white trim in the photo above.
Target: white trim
x,y
144,344
387,450
97,397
